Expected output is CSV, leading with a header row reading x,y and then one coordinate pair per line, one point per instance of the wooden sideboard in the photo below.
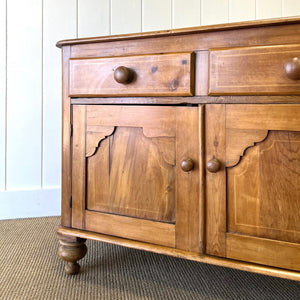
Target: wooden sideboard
x,y
187,143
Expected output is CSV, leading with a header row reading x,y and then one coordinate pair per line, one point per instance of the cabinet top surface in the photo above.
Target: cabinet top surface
x,y
191,30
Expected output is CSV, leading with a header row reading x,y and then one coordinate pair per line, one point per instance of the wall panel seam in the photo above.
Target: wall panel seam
x,y
110,16
142,15
77,19
142,9
172,14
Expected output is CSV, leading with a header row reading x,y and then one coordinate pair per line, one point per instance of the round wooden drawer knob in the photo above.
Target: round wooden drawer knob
x,y
123,75
213,165
292,68
187,165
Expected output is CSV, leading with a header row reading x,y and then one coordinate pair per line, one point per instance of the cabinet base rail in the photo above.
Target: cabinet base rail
x,y
65,233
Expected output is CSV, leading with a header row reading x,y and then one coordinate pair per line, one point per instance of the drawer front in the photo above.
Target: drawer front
x,y
147,75
271,70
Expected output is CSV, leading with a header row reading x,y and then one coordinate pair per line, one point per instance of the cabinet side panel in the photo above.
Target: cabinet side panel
x,y
215,182
66,142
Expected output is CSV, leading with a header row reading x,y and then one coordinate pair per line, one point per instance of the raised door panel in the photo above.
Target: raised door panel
x,y
257,206
264,189
133,167
127,179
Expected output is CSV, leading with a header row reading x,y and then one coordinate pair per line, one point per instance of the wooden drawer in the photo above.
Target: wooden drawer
x,y
144,75
255,70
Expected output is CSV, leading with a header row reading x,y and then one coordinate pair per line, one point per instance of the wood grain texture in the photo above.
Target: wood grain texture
x,y
169,74
263,189
202,181
66,176
94,136
252,70
132,172
238,140
78,166
190,100
201,74
131,228
133,175
262,117
263,251
215,182
240,265
156,121
187,183
271,35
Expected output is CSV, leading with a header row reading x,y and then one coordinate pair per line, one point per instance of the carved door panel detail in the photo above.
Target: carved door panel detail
x,y
253,200
133,175
264,189
127,176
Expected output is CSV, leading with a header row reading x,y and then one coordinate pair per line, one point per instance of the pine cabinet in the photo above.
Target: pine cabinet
x,y
185,143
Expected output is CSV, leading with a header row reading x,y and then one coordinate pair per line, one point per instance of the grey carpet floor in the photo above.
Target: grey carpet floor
x,y
31,269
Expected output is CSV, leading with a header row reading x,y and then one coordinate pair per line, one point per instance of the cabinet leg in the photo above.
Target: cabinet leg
x,y
71,251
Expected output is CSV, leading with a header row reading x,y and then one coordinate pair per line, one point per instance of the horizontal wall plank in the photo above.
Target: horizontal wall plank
x,y
93,17
24,93
30,203
126,16
156,15
185,13
2,92
59,22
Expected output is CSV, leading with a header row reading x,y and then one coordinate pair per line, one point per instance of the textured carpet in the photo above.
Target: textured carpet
x,y
31,269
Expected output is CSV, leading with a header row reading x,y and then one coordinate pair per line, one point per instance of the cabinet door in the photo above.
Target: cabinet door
x,y
127,178
253,195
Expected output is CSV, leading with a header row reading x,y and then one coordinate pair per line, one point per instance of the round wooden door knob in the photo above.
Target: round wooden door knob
x,y
292,68
187,165
213,165
123,75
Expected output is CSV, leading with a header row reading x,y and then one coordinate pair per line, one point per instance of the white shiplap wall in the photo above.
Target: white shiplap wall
x,y
30,77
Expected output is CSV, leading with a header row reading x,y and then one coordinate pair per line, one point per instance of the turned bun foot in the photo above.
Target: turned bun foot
x,y
71,252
